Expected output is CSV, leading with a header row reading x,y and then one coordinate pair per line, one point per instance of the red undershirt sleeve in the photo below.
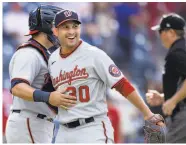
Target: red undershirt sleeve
x,y
124,87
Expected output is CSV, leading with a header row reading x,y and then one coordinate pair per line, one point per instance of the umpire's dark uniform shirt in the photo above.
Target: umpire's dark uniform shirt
x,y
175,70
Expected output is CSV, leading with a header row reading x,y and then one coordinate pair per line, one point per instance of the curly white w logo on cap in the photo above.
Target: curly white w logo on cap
x,y
67,13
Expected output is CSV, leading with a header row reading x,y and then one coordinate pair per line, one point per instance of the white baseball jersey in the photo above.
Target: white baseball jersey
x,y
28,64
87,73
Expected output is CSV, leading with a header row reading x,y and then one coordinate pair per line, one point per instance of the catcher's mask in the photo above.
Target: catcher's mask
x,y
41,20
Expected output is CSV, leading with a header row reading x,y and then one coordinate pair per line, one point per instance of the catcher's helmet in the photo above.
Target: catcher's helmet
x,y
41,19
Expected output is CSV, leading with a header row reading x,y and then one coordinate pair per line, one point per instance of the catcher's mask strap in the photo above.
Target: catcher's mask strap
x,y
53,39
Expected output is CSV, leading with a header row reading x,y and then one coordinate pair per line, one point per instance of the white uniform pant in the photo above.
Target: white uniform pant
x,y
25,127
99,131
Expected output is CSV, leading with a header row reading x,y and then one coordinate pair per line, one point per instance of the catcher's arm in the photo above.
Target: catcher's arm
x,y
23,91
55,98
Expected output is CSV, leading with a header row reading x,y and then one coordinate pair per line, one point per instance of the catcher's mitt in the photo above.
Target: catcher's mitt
x,y
153,132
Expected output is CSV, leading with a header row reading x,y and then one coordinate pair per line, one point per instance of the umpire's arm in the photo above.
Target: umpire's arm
x,y
180,94
178,60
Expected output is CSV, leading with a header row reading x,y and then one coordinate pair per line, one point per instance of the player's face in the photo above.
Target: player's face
x,y
69,34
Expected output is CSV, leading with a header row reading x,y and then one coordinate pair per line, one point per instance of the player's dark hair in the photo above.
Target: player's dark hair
x,y
35,35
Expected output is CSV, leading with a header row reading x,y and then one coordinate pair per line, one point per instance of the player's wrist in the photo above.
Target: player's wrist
x,y
148,115
41,96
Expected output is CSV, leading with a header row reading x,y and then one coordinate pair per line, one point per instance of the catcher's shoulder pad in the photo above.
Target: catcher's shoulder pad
x,y
37,46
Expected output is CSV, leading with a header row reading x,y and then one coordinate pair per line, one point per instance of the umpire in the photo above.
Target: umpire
x,y
173,101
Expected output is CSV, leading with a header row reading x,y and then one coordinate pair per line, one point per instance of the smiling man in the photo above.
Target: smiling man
x,y
87,72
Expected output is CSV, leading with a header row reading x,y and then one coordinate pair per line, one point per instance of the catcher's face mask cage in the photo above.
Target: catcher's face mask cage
x,y
41,19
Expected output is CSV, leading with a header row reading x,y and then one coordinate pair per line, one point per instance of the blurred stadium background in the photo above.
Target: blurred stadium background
x,y
122,30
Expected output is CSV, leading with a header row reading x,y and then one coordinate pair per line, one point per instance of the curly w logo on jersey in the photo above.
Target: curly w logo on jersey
x,y
114,71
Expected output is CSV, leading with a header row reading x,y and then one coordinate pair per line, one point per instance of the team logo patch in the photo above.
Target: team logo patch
x,y
114,71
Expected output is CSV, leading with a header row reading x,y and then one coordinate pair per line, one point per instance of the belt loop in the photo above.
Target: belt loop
x,y
67,125
50,119
82,121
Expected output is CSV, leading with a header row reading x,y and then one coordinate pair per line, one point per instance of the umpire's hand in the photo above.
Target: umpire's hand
x,y
169,106
154,98
60,99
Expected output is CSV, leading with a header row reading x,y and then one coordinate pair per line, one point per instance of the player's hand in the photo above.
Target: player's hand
x,y
168,107
154,129
60,99
160,123
154,98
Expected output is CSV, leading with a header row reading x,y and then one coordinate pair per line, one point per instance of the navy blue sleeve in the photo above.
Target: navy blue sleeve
x,y
16,81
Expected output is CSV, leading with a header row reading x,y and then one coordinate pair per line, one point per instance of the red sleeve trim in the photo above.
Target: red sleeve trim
x,y
24,80
124,87
117,83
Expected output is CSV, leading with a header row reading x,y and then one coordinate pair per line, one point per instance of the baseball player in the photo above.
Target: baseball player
x,y
86,72
31,114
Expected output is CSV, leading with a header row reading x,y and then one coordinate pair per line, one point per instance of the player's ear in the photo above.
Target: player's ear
x,y
55,31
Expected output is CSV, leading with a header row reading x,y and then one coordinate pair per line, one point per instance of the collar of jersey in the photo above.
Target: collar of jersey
x,y
66,55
